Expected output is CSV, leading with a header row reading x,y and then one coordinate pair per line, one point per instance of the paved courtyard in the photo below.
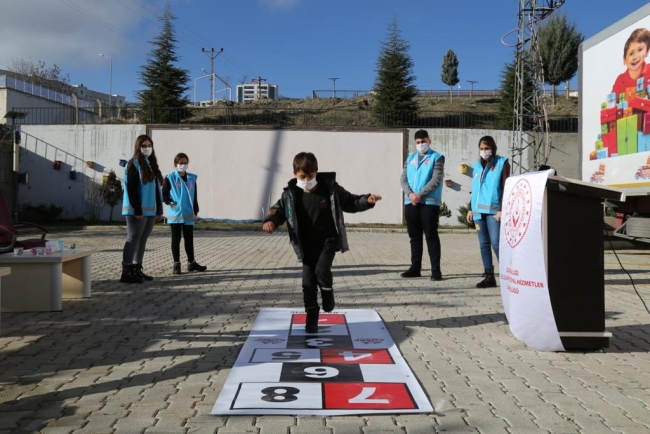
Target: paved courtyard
x,y
152,358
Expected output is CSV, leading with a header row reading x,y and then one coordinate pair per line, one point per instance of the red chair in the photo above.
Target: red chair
x,y
9,230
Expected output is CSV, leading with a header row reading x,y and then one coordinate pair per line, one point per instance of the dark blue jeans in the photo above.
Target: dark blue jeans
x,y
423,220
488,237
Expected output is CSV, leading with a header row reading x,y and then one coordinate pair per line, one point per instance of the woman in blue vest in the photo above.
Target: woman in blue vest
x,y
141,206
490,173
179,193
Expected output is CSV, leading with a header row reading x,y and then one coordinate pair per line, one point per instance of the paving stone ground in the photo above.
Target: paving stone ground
x,y
152,358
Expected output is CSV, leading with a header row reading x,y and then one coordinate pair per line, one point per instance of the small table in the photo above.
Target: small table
x,y
38,283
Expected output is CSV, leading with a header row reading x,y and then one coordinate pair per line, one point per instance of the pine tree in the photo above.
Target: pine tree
x,y
559,42
394,88
112,192
165,83
508,97
449,74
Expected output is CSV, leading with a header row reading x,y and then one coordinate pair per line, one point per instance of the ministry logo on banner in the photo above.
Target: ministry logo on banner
x,y
522,261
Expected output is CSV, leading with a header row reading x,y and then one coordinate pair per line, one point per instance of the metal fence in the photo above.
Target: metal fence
x,y
284,118
40,91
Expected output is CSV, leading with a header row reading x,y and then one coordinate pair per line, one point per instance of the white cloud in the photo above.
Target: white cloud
x,y
71,33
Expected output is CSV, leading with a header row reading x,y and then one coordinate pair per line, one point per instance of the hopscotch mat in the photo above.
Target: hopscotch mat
x,y
351,366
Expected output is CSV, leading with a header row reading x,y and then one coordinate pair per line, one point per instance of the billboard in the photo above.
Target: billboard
x,y
615,103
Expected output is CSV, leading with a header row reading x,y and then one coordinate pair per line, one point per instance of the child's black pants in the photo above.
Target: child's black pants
x,y
187,232
317,268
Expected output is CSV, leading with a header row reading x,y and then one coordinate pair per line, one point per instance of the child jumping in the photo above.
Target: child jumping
x,y
312,204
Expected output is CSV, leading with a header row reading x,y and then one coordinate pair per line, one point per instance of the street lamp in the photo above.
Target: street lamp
x,y
334,82
110,78
472,82
197,79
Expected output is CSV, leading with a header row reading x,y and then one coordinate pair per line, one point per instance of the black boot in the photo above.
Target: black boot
x,y
177,268
194,266
129,274
140,273
311,323
327,294
489,281
436,274
411,272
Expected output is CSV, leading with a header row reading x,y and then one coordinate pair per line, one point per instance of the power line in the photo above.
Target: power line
x,y
196,38
110,27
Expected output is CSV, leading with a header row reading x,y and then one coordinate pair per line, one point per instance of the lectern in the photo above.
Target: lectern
x,y
573,229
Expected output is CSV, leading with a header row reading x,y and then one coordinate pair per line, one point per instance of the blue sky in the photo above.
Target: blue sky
x,y
296,44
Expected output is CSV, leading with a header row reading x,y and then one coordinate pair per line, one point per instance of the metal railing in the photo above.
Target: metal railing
x,y
40,91
284,118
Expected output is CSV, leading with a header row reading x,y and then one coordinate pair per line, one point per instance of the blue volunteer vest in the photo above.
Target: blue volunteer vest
x,y
486,186
147,194
182,194
419,174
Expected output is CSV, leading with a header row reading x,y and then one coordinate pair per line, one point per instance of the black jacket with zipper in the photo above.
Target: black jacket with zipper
x,y
341,201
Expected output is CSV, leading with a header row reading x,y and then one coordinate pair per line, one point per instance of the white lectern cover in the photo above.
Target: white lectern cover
x,y
522,263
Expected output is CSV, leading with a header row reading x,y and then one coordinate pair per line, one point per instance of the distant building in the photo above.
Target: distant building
x,y
253,91
97,98
48,106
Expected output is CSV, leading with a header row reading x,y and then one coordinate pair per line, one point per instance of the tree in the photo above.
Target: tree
x,y
449,74
38,73
92,194
165,83
394,88
559,41
112,192
508,96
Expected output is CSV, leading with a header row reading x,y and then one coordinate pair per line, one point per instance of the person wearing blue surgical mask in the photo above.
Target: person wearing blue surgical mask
x,y
489,178
313,204
179,194
421,182
141,207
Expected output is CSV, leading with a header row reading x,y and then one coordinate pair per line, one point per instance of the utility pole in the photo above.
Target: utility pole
x,y
334,83
259,81
531,144
212,54
471,91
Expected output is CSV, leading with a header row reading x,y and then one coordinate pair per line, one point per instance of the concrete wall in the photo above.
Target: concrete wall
x,y
12,99
73,145
242,171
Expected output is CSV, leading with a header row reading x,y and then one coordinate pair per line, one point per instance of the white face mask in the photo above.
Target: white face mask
x,y
486,155
306,185
146,151
422,147
181,167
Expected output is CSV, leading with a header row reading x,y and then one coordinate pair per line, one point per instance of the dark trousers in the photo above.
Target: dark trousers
x,y
187,231
423,219
317,268
137,234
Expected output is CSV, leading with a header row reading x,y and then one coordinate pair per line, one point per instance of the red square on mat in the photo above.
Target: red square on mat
x,y
356,356
323,318
368,396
